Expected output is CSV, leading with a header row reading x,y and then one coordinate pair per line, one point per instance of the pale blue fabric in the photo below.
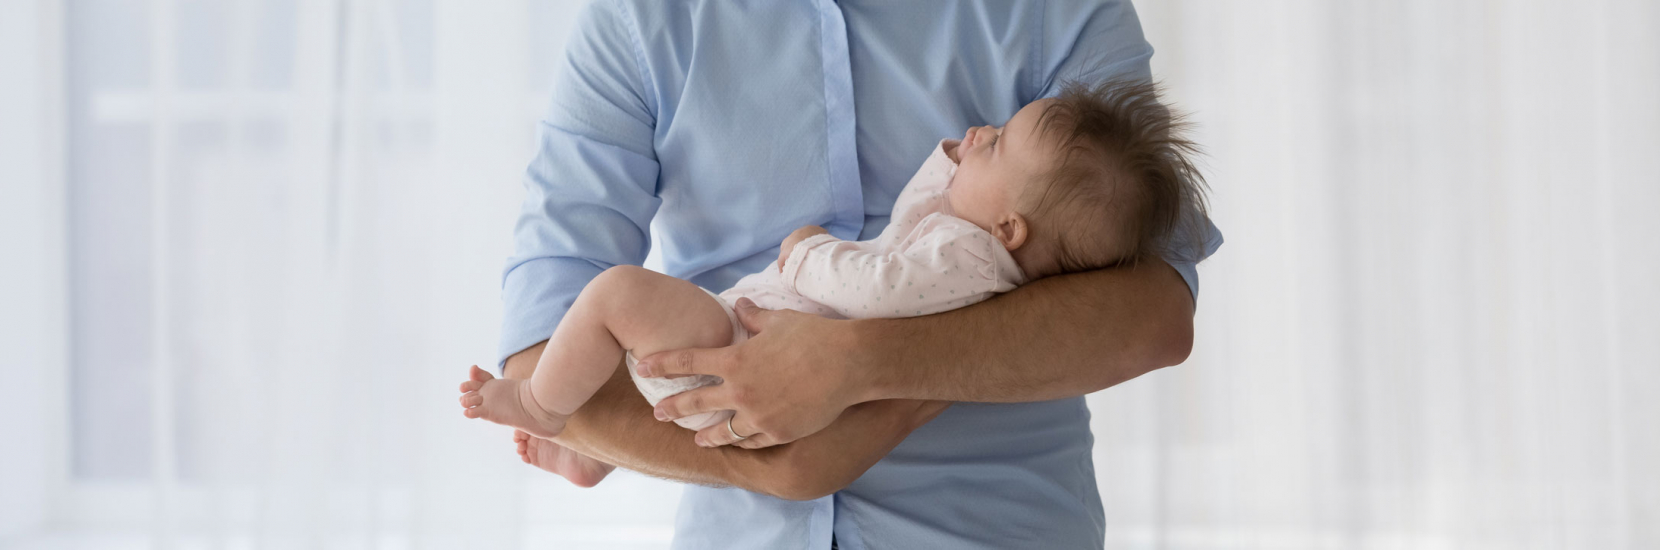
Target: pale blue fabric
x,y
727,124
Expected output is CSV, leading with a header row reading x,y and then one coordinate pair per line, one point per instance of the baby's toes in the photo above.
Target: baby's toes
x,y
471,405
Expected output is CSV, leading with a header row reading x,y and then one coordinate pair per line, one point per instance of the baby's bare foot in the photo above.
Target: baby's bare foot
x,y
553,457
508,402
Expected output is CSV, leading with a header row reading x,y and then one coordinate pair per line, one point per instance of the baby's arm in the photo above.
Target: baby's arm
x,y
946,269
795,238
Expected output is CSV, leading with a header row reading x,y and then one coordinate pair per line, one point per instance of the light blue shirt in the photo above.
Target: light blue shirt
x,y
728,124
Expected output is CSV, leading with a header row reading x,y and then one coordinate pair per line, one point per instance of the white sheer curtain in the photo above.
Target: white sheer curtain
x,y
286,221
270,240
1435,322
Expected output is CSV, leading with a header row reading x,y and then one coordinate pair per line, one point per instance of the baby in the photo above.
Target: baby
x,y
1095,177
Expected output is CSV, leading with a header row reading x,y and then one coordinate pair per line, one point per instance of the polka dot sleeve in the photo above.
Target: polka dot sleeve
x,y
951,266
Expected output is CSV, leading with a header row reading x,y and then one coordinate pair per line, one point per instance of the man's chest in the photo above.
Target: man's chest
x,y
775,110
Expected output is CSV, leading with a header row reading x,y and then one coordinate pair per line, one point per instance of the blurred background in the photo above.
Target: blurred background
x,y
250,246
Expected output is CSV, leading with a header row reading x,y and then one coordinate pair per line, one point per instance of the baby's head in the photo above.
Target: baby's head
x,y
1092,178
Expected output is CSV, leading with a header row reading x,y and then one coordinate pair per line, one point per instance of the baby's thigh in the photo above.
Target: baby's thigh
x,y
773,297
648,312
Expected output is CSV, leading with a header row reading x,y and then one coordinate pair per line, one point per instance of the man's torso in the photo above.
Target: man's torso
x,y
775,115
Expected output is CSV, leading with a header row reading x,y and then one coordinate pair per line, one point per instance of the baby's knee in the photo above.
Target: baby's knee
x,y
614,286
623,277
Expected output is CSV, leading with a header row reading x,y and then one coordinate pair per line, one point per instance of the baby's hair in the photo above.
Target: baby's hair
x,y
1124,160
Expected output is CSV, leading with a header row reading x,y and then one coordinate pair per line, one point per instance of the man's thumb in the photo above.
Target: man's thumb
x,y
752,316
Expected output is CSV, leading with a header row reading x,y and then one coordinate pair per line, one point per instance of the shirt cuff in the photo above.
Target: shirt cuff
x,y
535,296
792,265
1186,262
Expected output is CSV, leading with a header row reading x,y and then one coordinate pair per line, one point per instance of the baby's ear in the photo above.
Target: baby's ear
x,y
1011,230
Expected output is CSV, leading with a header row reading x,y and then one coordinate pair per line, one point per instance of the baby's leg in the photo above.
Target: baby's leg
x,y
625,308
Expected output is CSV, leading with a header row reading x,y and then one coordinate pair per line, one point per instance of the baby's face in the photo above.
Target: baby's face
x,y
995,165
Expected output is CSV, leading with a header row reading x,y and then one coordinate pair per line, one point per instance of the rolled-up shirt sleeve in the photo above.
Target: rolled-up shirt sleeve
x,y
591,190
1108,45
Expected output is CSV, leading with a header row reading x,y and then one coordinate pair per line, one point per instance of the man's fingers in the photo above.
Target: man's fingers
x,y
700,400
717,435
684,362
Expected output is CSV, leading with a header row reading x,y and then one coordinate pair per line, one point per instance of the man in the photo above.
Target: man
x,y
729,124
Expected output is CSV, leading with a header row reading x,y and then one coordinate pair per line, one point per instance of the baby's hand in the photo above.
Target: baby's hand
x,y
794,239
950,147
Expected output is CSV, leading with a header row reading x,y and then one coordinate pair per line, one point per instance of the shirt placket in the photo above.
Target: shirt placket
x,y
846,194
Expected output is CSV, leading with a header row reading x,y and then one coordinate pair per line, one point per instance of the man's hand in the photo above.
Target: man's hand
x,y
789,380
795,238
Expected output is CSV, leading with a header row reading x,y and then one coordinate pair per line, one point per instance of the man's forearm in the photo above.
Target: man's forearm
x,y
616,426
1053,338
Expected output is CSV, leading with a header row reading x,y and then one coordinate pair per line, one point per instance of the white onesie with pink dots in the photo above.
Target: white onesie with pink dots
x,y
925,261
